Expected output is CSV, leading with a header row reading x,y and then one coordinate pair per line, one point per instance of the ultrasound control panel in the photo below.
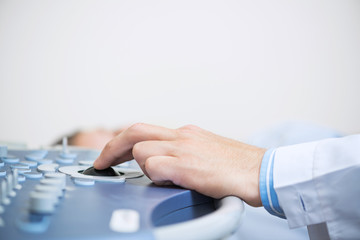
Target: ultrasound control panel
x,y
57,194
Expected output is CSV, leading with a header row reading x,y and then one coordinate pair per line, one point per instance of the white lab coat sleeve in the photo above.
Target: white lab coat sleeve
x,y
319,182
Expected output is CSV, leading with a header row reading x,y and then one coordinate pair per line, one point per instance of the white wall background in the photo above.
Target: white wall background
x,y
232,67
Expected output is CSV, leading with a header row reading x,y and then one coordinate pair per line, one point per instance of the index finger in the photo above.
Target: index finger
x,y
119,149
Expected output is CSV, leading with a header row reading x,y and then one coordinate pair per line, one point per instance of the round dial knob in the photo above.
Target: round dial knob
x,y
105,172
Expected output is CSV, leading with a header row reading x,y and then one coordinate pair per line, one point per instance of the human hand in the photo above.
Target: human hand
x,y
189,157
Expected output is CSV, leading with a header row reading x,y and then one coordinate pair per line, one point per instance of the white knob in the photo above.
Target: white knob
x,y
43,203
58,176
53,182
125,220
16,184
10,186
3,193
49,189
47,168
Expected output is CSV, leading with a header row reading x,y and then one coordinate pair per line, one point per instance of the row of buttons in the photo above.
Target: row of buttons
x,y
10,184
45,195
42,202
7,189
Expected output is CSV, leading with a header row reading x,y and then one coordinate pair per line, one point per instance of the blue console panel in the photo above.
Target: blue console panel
x,y
43,195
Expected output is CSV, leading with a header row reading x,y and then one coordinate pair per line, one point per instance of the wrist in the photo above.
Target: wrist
x,y
254,194
248,162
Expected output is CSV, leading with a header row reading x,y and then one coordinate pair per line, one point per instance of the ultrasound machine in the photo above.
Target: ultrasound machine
x,y
57,194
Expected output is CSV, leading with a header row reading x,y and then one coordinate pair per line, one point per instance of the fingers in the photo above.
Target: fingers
x,y
144,132
118,150
143,150
162,170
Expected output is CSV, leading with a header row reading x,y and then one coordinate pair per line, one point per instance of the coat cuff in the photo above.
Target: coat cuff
x,y
268,195
294,185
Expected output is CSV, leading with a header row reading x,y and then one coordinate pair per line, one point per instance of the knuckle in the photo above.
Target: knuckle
x,y
188,131
190,127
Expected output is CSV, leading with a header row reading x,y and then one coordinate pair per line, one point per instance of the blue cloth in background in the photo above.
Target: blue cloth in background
x,y
290,133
